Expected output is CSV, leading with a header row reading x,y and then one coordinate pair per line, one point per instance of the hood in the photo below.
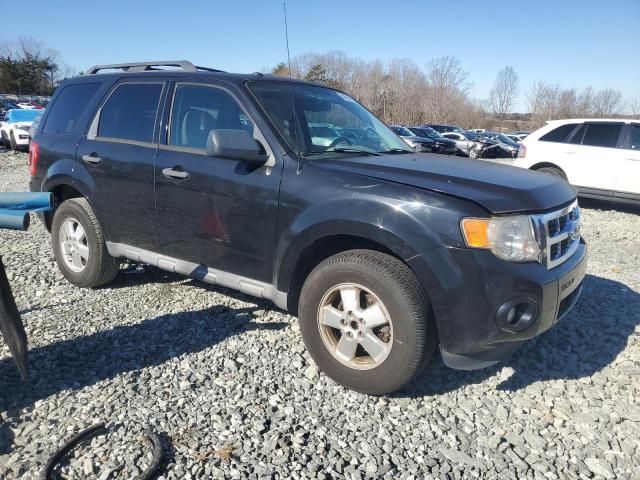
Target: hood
x,y
444,141
498,188
22,126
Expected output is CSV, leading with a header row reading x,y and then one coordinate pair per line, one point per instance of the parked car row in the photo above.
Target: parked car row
x,y
453,140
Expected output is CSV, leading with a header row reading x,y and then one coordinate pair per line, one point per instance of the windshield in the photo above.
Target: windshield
x,y
320,122
14,116
470,135
403,131
505,139
429,132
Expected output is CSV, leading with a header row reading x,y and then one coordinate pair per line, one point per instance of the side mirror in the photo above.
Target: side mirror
x,y
236,145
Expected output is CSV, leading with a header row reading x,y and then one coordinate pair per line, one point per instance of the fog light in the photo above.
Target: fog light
x,y
517,314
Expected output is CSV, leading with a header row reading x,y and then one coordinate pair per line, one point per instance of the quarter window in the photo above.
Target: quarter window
x,y
130,112
559,134
71,103
602,135
198,109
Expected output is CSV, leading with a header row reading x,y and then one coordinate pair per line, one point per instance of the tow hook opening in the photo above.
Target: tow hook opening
x,y
517,314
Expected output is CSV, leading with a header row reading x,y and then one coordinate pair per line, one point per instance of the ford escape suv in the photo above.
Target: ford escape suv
x,y
384,254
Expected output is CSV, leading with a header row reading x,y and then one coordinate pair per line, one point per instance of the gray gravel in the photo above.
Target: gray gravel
x,y
226,379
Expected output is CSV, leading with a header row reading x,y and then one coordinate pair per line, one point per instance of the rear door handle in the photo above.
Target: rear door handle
x,y
91,159
176,173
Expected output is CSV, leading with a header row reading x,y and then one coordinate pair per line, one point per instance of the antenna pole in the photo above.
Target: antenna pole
x,y
286,36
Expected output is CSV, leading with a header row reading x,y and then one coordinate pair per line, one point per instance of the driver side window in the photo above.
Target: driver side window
x,y
199,109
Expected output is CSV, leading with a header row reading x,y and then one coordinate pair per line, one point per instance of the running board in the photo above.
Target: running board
x,y
246,285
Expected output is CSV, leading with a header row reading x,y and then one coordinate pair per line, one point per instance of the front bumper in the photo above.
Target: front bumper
x,y
467,288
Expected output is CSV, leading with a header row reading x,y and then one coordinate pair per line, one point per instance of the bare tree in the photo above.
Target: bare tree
x,y
447,80
607,102
535,101
504,92
634,107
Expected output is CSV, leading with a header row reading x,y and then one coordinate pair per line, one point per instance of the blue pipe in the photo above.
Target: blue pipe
x,y
14,219
34,202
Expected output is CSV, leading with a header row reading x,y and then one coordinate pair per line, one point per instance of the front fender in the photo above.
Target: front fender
x,y
404,220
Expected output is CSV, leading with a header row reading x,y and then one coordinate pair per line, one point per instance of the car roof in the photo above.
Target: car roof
x,y
238,78
585,120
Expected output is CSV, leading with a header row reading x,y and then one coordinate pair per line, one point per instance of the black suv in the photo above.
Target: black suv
x,y
383,253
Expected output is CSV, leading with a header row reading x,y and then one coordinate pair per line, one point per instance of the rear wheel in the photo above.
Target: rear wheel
x,y
79,246
366,321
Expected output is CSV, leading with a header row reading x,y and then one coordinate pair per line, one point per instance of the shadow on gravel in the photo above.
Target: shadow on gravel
x,y
76,363
584,342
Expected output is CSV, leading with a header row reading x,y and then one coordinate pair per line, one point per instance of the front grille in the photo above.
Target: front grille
x,y
559,234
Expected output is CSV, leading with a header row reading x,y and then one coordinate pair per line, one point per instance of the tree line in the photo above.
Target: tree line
x,y
27,67
400,91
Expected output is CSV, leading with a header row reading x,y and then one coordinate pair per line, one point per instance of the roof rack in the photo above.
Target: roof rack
x,y
184,65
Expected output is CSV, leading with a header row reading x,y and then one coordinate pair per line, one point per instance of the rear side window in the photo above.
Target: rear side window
x,y
559,134
602,135
130,112
69,107
634,137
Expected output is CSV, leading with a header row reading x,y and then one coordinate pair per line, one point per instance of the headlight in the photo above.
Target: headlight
x,y
510,238
411,143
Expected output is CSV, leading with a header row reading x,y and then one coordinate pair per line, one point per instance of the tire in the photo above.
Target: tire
x,y
473,153
12,142
85,263
552,171
407,340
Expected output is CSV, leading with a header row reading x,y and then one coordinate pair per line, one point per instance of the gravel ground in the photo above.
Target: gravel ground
x,y
227,381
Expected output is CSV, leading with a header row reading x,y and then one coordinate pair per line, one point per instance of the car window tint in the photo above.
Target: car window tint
x,y
198,109
634,137
130,112
577,137
559,134
602,135
68,108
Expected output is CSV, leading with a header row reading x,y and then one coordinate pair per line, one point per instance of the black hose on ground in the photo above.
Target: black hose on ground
x,y
94,431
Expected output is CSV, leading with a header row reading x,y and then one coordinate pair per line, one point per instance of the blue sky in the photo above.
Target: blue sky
x,y
570,42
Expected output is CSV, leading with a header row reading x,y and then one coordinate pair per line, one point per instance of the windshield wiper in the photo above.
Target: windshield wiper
x,y
397,150
351,150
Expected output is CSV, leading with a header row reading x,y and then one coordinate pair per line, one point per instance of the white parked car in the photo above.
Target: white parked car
x,y
14,128
600,158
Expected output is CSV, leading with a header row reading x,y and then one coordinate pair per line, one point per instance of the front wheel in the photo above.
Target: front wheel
x,y
79,246
366,321
473,153
12,142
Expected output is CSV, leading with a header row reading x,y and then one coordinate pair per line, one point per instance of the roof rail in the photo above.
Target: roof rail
x,y
184,65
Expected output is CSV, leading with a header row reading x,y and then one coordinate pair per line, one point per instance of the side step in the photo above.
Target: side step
x,y
246,285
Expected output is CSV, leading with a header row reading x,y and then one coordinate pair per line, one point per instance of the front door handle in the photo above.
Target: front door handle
x,y
633,159
176,173
94,159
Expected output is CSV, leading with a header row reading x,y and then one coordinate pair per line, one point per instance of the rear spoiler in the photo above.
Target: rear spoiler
x,y
14,215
